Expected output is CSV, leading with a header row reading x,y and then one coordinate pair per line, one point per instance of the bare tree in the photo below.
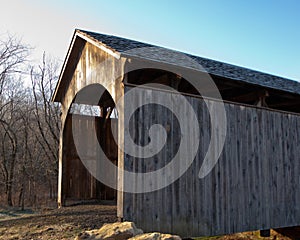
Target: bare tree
x,y
43,79
29,125
11,123
9,152
13,54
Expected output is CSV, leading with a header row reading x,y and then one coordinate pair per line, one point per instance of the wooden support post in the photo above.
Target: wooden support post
x,y
265,233
120,180
175,81
61,175
261,102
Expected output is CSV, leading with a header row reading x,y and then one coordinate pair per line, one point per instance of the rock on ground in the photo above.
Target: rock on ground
x,y
112,231
155,236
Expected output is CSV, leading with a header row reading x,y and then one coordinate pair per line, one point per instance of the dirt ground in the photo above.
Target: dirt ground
x,y
68,222
64,223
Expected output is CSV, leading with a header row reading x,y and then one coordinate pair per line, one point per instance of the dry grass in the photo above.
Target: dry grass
x,y
247,236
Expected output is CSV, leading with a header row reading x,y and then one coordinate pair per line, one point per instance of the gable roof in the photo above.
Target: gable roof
x,y
118,46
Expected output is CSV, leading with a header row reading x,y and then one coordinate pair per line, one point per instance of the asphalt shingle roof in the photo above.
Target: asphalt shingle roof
x,y
221,69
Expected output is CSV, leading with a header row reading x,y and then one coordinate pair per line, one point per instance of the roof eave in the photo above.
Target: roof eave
x,y
54,97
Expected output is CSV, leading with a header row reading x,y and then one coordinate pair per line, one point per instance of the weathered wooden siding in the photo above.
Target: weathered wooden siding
x,y
255,184
79,183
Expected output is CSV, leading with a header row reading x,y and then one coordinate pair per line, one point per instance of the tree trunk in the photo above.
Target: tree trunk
x,y
21,197
9,194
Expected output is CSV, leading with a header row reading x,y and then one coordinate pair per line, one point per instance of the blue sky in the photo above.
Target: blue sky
x,y
258,34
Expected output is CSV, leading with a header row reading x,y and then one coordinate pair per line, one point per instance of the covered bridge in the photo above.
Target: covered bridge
x,y
253,182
